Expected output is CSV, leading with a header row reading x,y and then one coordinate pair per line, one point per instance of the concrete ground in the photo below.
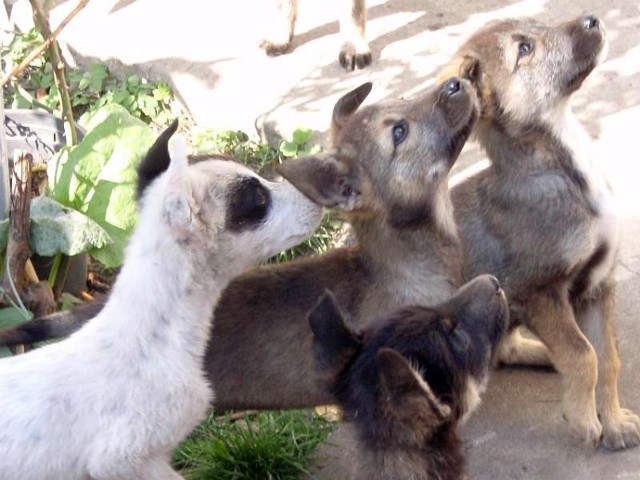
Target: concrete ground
x,y
209,54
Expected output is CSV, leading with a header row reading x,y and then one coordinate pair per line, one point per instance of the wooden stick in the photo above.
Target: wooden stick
x,y
17,70
41,21
18,251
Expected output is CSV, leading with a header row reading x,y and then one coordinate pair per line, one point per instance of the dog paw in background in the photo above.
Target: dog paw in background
x,y
355,51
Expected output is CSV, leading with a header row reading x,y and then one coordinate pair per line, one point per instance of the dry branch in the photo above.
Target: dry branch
x,y
17,70
18,251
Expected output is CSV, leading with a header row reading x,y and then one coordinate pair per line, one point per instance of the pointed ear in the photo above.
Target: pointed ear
x,y
178,205
348,104
328,180
464,66
334,344
157,159
406,395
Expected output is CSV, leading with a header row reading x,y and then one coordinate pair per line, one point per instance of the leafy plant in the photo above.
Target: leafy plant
x,y
57,229
299,144
260,157
90,90
98,176
270,445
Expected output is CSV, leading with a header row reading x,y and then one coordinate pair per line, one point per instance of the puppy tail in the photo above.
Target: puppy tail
x,y
58,324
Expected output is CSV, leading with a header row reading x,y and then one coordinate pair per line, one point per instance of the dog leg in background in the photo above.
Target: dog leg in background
x,y
596,316
355,50
278,40
518,350
574,358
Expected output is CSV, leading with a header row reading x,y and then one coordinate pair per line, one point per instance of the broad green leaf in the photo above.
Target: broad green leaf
x,y
288,149
302,135
58,229
98,176
84,83
10,316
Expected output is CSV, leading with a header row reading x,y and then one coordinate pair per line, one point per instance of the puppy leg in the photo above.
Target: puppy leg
x,y
551,319
596,316
278,39
355,50
160,469
515,349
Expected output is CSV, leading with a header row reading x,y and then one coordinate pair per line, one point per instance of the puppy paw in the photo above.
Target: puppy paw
x,y
350,57
585,427
274,48
621,431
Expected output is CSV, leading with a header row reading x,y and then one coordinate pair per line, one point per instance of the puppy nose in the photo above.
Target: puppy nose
x,y
590,22
452,86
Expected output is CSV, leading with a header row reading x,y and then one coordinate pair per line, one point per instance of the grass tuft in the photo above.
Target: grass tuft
x,y
269,445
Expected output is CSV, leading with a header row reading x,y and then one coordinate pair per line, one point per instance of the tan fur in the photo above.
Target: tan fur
x,y
354,53
542,216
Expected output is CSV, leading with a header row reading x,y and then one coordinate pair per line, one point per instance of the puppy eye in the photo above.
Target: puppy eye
x,y
399,133
524,49
261,198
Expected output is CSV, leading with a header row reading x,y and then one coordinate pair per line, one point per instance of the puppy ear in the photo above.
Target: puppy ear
x,y
157,159
405,394
465,66
178,205
347,104
328,180
334,344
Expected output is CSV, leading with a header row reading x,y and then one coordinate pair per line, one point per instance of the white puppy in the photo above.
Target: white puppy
x,y
114,399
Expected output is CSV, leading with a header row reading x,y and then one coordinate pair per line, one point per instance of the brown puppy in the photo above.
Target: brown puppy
x,y
354,53
387,175
541,217
408,379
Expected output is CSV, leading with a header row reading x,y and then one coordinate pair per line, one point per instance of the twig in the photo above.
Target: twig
x,y
18,251
51,37
40,19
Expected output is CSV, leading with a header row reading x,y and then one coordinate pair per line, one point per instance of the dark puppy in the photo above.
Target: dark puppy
x,y
542,217
406,381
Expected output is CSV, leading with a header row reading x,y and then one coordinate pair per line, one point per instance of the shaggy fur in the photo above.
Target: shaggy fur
x,y
114,399
386,174
542,217
407,380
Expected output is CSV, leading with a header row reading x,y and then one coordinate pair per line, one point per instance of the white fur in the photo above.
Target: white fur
x,y
114,399
607,227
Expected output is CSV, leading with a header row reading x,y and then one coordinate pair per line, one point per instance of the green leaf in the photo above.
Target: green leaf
x,y
99,72
10,316
133,81
288,149
311,149
58,229
98,176
302,135
84,83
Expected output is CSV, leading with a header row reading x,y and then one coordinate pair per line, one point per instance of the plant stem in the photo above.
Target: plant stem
x,y
40,19
49,40
18,251
61,277
53,273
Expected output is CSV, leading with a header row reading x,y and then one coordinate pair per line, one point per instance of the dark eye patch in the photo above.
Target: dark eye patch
x,y
248,204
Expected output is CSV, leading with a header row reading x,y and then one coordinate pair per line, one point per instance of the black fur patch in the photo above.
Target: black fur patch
x,y
409,216
156,161
581,281
248,205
